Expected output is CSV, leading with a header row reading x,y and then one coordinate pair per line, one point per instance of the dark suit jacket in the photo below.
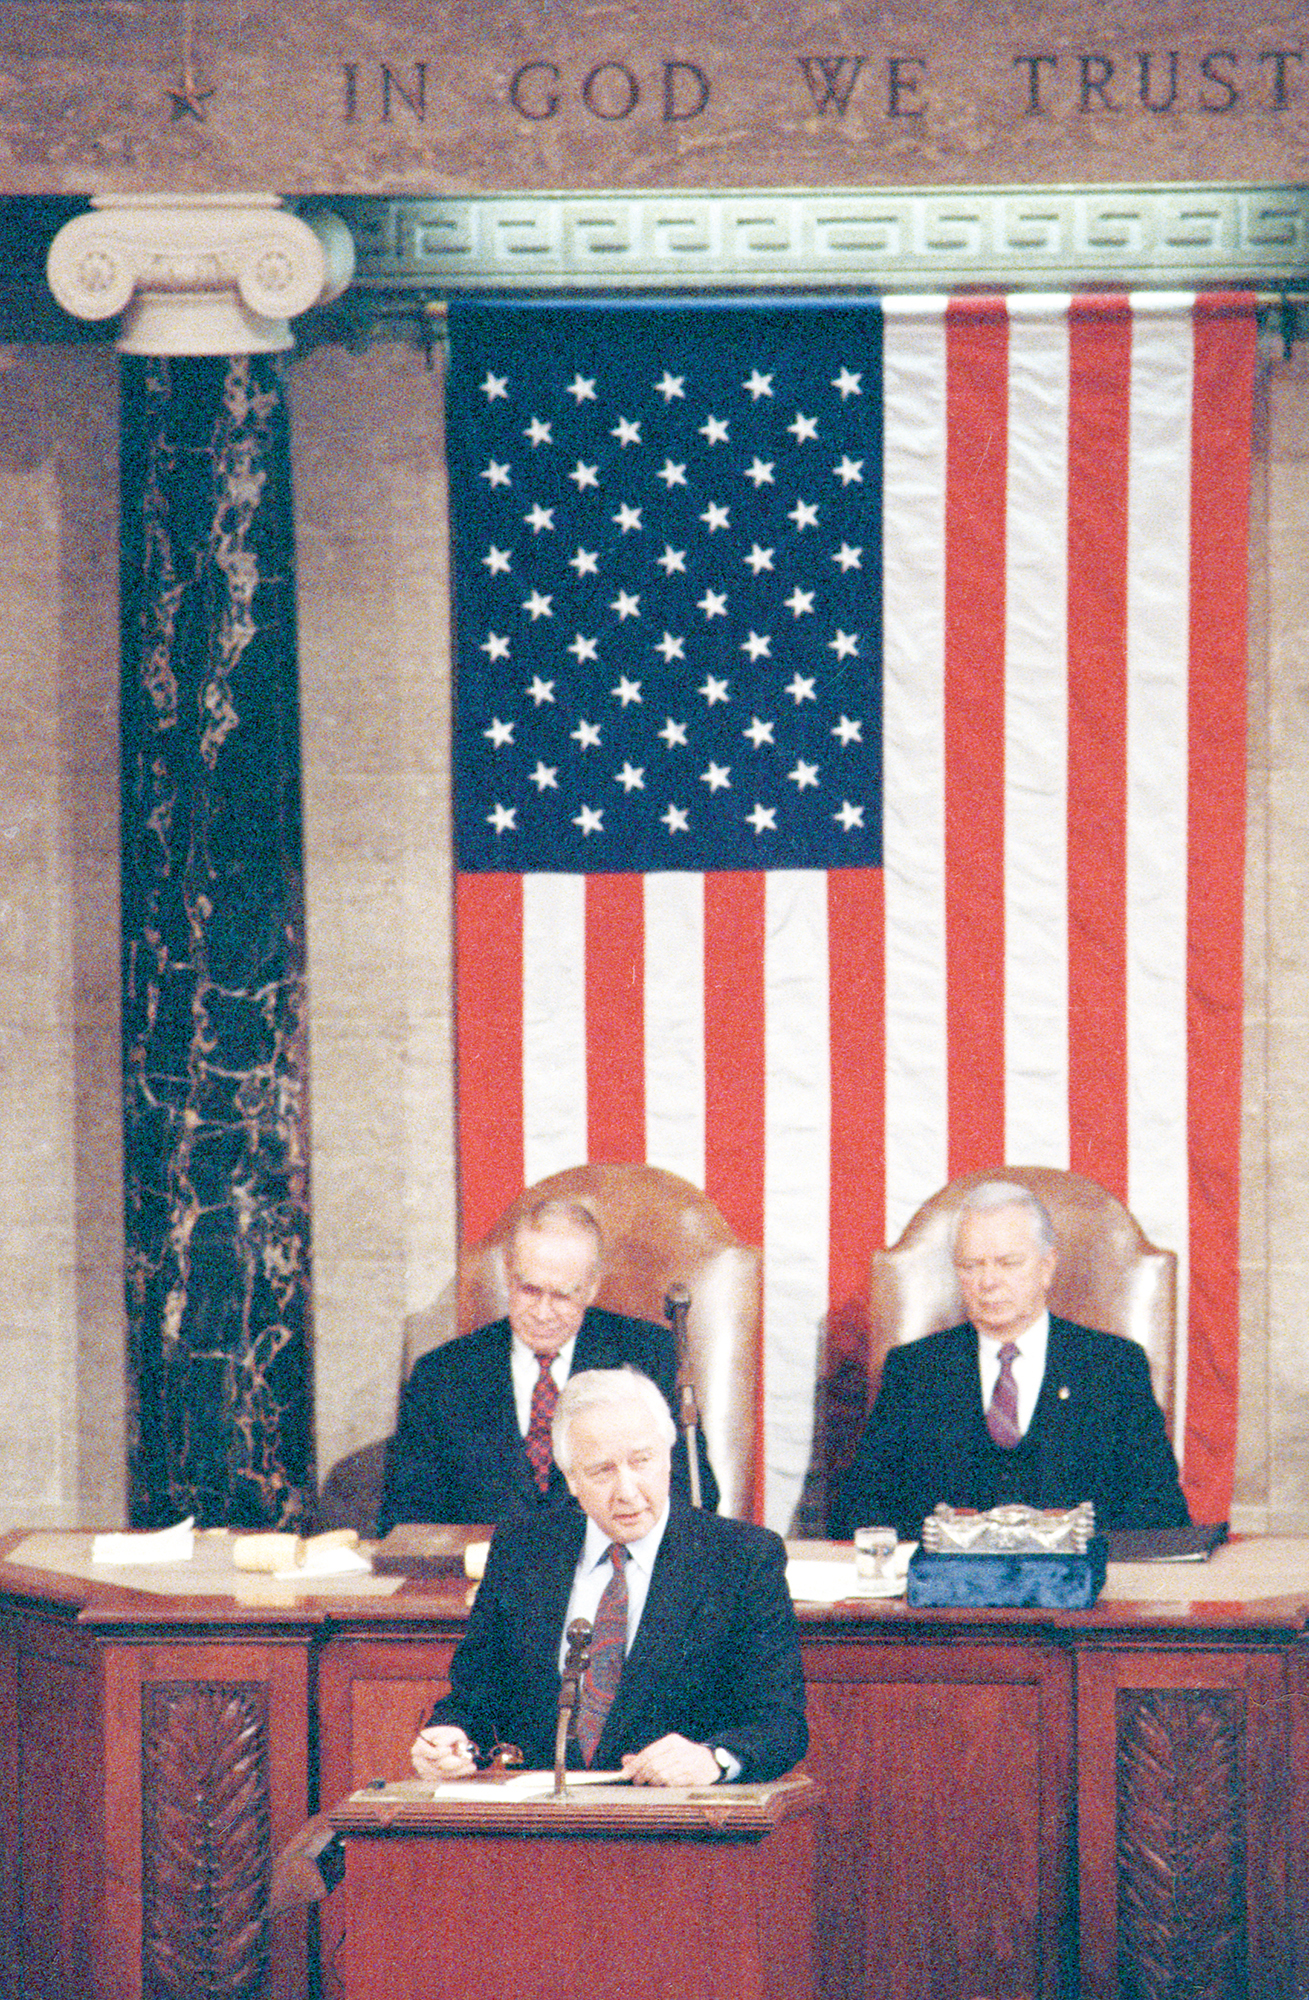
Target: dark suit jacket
x,y
457,1453
1096,1434
716,1656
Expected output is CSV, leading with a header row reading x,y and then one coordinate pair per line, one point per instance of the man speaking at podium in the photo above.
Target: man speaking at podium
x,y
1014,1405
694,1672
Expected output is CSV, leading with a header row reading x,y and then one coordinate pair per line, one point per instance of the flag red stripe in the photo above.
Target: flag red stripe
x,y
1100,337
857,960
1220,493
488,1046
977,404
735,1072
615,1017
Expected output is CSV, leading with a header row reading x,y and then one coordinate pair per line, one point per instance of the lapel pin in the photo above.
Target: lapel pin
x,y
1063,1392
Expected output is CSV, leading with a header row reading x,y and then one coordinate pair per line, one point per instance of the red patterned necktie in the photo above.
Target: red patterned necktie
x,y
608,1651
1002,1410
545,1395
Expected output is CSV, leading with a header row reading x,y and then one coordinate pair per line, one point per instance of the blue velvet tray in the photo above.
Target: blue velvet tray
x,y
1051,1583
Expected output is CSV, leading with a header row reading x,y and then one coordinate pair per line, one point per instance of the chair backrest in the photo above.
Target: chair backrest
x,y
1107,1274
659,1230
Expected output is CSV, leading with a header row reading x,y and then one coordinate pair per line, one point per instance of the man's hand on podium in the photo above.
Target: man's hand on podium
x,y
443,1751
673,1760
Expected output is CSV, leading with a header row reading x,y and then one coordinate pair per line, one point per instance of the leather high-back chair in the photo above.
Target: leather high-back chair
x,y
1107,1274
659,1230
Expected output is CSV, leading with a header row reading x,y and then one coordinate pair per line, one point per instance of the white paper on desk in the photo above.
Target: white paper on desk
x,y
161,1545
335,1560
526,1785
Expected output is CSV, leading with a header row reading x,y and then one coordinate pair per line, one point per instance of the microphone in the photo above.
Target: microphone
x,y
576,1660
677,1306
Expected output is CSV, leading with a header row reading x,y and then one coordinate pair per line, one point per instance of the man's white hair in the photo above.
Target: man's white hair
x,y
990,1195
596,1388
558,1217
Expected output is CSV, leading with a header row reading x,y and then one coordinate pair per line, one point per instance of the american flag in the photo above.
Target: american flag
x,y
817,856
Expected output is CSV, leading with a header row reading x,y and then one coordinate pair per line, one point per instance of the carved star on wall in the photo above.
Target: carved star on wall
x,y
188,102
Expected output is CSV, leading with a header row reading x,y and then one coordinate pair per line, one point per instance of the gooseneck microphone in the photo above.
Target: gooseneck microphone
x,y
576,1660
677,1306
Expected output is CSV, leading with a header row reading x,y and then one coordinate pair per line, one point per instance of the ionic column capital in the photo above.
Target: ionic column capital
x,y
198,274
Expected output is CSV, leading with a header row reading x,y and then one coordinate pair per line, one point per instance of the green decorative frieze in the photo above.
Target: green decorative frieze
x,y
883,239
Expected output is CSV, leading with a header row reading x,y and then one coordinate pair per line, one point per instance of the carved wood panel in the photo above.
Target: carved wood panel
x,y
1182,1929
942,1868
206,1839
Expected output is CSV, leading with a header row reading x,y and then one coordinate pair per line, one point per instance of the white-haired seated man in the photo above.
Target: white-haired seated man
x,y
695,1671
472,1439
1015,1404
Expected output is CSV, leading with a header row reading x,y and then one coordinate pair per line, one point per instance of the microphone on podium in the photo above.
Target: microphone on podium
x,y
576,1660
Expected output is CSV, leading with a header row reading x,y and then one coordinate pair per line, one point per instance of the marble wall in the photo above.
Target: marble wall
x,y
62,1452
401,96
1275,1280
369,477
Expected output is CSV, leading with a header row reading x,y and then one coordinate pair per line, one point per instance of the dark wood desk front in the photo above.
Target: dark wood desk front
x,y
1112,1802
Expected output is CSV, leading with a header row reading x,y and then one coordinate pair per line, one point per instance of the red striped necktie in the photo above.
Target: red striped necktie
x,y
1002,1410
608,1651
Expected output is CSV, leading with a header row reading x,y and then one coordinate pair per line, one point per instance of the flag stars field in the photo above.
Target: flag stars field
x,y
671,538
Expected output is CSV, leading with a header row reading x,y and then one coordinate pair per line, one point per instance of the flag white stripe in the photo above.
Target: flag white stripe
x,y
913,613
674,1024
1158,570
1036,739
554,1024
797,1151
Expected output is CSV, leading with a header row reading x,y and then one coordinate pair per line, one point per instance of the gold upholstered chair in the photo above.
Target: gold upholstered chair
x,y
1107,1275
659,1231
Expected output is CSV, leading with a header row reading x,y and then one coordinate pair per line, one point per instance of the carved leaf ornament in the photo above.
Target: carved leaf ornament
x,y
205,1839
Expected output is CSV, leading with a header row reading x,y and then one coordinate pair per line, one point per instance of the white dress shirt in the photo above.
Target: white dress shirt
x,y
1029,1366
525,1369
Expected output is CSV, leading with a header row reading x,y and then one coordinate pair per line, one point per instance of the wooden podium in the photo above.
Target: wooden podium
x,y
680,1895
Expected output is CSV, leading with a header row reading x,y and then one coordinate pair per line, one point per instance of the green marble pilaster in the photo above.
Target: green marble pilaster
x,y
214,1069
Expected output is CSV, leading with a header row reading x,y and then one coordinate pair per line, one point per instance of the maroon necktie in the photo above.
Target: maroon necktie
x,y
608,1651
545,1395
1002,1410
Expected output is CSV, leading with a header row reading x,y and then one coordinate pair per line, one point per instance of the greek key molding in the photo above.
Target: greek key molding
x,y
1168,236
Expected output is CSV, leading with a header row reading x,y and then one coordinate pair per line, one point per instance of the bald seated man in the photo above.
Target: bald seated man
x,y
1015,1404
463,1443
706,1654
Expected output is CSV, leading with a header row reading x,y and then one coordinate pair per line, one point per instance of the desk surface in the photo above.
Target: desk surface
x,y
1244,1586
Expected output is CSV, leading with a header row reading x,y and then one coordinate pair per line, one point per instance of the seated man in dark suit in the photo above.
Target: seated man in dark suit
x,y
695,1668
1014,1404
472,1440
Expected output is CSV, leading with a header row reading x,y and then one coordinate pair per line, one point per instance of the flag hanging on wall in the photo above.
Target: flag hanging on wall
x,y
849,777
